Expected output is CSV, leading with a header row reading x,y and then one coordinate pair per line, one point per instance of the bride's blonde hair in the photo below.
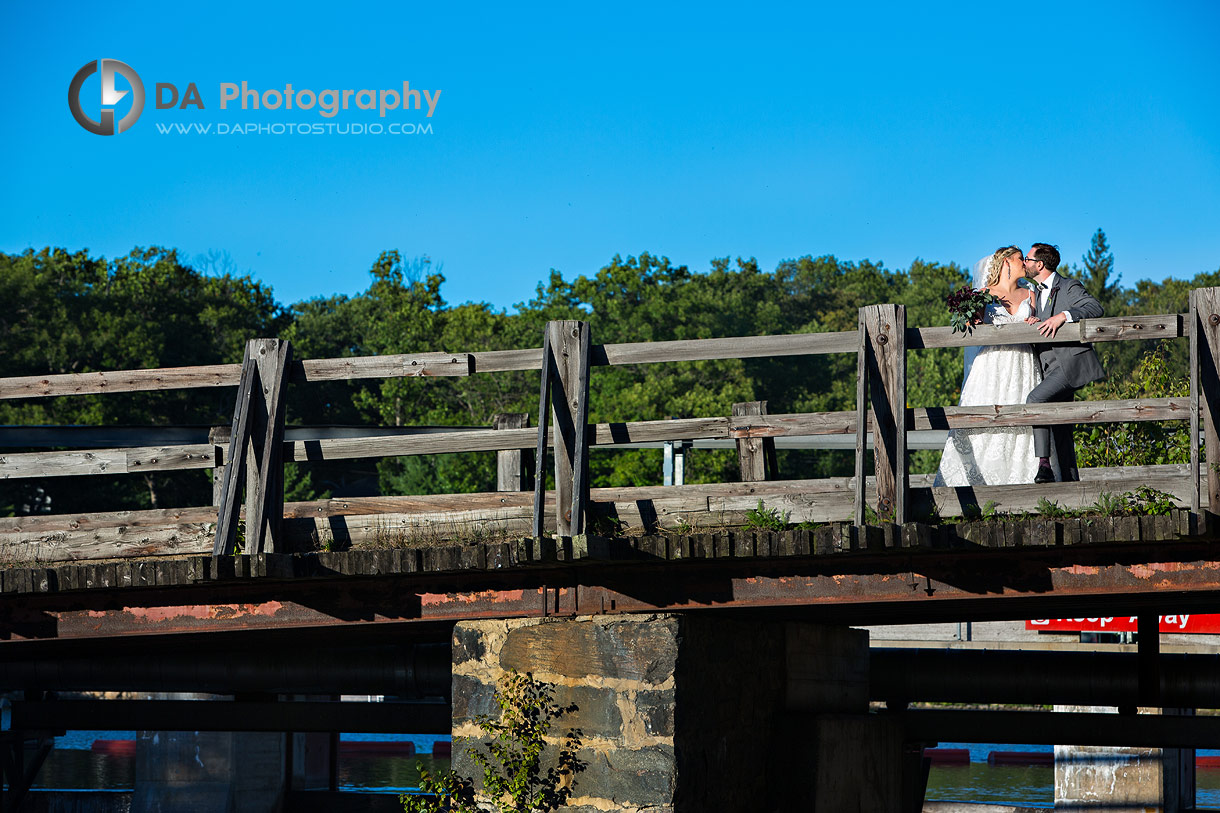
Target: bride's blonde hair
x,y
997,263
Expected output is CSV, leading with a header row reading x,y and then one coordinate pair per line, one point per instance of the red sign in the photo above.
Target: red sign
x,y
1169,623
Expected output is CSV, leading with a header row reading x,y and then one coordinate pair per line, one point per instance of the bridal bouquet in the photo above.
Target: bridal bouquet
x,y
966,307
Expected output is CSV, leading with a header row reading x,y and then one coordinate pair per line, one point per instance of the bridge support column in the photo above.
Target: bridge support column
x,y
1122,780
695,712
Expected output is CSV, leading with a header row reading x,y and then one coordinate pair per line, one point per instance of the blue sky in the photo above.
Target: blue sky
x,y
565,135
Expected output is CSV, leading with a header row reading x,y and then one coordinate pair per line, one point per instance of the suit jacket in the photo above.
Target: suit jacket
x,y
1079,361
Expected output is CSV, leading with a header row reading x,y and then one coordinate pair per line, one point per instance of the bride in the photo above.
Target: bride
x,y
1001,374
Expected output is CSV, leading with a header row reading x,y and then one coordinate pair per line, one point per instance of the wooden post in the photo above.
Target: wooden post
x,y
544,398
1205,310
218,472
1192,330
256,445
235,462
887,375
265,486
569,345
755,456
861,419
513,471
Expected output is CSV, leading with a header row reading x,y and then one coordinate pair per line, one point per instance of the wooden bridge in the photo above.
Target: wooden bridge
x,y
257,574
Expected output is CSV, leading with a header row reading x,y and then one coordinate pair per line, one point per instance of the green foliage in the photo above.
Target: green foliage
x,y
1144,501
1098,265
1147,442
1148,500
1050,509
766,519
513,776
1108,504
71,313
974,512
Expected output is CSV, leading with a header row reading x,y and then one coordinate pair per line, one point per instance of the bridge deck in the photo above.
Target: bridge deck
x,y
869,574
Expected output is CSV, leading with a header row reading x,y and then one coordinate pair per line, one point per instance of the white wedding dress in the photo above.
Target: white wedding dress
x,y
998,375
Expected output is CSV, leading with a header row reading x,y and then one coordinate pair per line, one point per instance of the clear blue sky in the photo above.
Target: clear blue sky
x,y
566,134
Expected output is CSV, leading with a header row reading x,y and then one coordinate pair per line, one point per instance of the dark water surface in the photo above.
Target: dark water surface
x,y
72,765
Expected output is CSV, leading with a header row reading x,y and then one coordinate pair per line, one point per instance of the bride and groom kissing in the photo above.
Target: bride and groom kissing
x,y
1029,290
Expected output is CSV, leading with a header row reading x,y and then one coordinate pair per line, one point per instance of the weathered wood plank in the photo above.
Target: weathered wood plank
x,y
886,328
952,502
608,434
513,472
235,461
1193,323
483,440
792,344
265,495
390,366
195,456
861,418
1207,317
569,393
751,449
1117,411
580,462
105,543
106,461
47,523
63,464
544,399
164,378
1115,328
1154,326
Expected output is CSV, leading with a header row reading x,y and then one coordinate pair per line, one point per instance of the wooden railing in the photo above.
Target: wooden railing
x,y
248,458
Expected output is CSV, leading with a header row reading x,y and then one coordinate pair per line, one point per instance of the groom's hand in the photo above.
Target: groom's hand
x,y
1051,326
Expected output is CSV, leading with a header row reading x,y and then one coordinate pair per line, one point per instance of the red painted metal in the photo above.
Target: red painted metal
x,y
674,586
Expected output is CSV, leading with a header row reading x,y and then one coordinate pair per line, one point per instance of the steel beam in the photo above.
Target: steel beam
x,y
900,676
400,671
901,587
1061,728
219,715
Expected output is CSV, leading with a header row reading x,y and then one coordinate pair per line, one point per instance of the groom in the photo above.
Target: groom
x,y
1065,367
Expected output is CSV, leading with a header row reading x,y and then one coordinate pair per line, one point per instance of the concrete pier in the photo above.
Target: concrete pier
x,y
684,712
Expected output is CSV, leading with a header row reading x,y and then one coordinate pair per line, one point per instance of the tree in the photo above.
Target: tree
x,y
72,313
1098,265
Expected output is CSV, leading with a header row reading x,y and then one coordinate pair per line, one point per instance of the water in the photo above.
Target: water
x,y
1028,785
72,765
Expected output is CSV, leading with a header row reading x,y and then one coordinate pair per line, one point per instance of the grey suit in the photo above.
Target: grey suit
x,y
1065,368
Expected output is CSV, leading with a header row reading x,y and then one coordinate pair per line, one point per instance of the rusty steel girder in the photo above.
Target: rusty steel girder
x,y
912,590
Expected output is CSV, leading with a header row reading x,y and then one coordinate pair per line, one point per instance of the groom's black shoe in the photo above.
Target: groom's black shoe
x,y
1044,475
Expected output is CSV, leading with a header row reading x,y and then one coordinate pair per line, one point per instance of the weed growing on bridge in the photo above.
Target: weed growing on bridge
x,y
512,767
766,519
986,512
1145,500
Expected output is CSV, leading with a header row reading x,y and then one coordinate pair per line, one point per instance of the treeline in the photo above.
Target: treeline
x,y
71,312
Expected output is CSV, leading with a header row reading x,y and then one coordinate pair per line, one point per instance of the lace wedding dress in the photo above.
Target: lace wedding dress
x,y
998,375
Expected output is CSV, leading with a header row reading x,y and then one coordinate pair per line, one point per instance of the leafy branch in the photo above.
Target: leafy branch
x,y
513,776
